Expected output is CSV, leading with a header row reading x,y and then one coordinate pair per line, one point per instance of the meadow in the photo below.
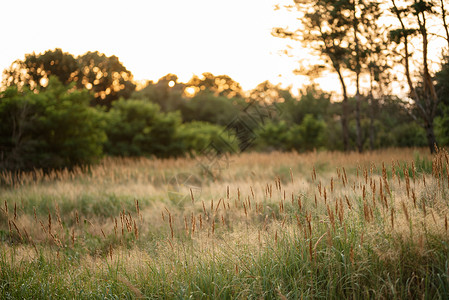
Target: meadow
x,y
262,225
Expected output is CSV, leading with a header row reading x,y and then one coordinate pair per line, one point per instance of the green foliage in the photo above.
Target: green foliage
x,y
397,35
442,127
442,121
392,126
167,93
55,128
383,136
137,127
209,108
221,85
409,135
311,133
35,70
442,78
310,121
197,136
307,136
302,126
311,101
422,165
274,136
266,92
333,135
105,76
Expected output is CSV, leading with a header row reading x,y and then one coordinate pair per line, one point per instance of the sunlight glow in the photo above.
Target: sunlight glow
x,y
190,91
160,37
44,81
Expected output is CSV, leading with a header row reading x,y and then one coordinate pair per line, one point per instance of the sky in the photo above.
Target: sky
x,y
155,37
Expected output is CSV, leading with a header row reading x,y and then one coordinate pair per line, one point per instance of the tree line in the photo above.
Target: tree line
x,y
378,40
60,111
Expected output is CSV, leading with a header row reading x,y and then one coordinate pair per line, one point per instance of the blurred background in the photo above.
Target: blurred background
x,y
83,80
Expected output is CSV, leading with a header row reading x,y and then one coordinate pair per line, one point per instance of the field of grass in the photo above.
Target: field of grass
x,y
279,225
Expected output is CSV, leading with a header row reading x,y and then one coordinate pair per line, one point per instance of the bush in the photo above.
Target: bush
x,y
52,129
274,136
409,135
308,135
198,136
442,126
138,128
209,108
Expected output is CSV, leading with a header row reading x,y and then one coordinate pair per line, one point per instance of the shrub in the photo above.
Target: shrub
x,y
308,135
137,127
311,133
207,107
198,136
274,136
52,129
409,135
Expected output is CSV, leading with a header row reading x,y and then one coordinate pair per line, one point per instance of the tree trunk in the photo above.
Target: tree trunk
x,y
430,134
344,110
358,125
430,96
371,124
357,71
344,123
443,16
428,102
413,93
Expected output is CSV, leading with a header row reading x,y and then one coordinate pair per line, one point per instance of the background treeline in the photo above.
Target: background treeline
x,y
59,111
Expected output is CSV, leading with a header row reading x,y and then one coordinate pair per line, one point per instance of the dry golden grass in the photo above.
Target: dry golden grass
x,y
257,202
248,175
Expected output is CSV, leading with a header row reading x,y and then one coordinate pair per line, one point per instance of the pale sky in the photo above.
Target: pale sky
x,y
155,37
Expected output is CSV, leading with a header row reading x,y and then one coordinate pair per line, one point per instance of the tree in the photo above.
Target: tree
x,y
442,87
105,77
274,136
312,133
367,46
197,136
138,128
337,31
308,135
325,30
379,62
268,93
311,101
209,108
35,70
221,85
167,93
52,129
423,93
443,14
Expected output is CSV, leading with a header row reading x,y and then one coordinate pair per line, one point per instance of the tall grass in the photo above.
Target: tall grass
x,y
279,225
